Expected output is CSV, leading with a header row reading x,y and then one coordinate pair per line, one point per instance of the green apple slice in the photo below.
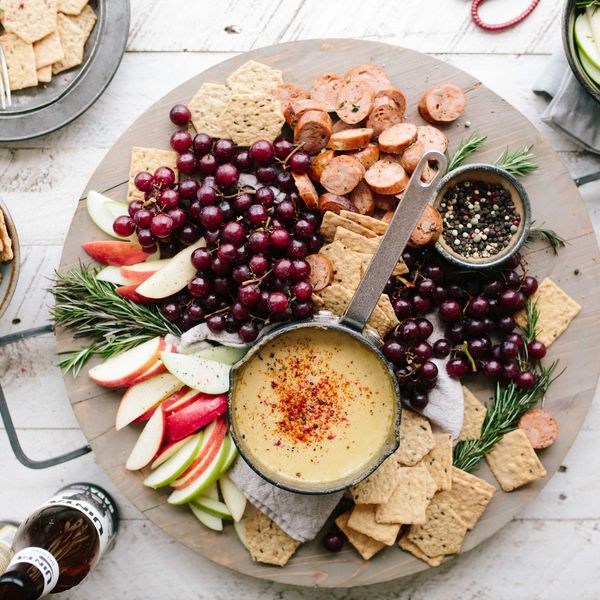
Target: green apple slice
x,y
208,376
206,519
590,69
224,354
203,481
212,491
233,452
103,211
233,497
176,465
585,40
212,507
113,275
240,529
593,16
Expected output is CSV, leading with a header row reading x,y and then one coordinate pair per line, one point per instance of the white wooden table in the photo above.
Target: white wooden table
x,y
550,551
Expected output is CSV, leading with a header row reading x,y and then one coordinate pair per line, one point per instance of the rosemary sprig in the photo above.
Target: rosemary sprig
x,y
519,162
92,309
533,316
549,236
466,147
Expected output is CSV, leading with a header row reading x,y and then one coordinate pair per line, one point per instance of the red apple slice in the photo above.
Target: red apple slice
x,y
149,442
155,369
168,450
123,368
142,271
174,402
114,252
195,416
130,292
141,397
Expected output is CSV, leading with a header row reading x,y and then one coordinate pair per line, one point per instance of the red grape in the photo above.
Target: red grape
x,y
457,367
124,226
259,264
510,369
300,269
283,268
226,252
529,285
509,350
525,380
266,174
478,307
441,348
145,237
161,226
264,195
297,249
170,311
242,203
419,400
168,198
180,141
536,350
450,310
422,350
302,290
282,148
186,162
403,308
199,287
286,210
428,371
207,164
492,369
279,238
248,332
226,175
164,177
285,181
223,150
216,323
180,115
299,163
249,294
202,144
277,302
302,309
179,217
257,215
189,234
143,218
242,160
211,217
262,152
408,331
201,259
143,181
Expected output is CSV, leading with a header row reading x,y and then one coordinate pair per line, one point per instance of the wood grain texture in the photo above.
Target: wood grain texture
x,y
554,199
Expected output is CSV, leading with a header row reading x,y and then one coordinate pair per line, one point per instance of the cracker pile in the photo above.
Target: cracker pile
x,y
6,251
242,110
43,38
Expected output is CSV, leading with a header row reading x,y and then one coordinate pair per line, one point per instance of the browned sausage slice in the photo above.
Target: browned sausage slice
x,y
540,427
342,175
350,139
394,94
428,229
385,113
318,163
367,155
341,126
334,203
325,90
313,131
297,108
372,74
307,190
355,101
397,138
386,203
442,103
362,199
287,93
432,138
387,177
411,157
321,271
388,216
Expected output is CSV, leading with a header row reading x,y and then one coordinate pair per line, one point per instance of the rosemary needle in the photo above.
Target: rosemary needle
x,y
466,147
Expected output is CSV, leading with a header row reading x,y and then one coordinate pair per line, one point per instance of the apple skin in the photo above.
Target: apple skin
x,y
101,374
149,442
168,450
130,292
179,399
142,271
188,420
155,369
115,252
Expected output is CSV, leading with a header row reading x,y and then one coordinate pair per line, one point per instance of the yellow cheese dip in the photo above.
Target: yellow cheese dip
x,y
313,406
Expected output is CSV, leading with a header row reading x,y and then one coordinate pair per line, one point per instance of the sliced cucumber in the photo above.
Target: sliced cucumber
x,y
584,38
206,519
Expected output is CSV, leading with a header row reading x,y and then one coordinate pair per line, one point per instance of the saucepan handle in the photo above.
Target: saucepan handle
x,y
5,415
408,212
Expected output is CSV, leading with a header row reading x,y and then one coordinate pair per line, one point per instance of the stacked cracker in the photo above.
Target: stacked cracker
x,y
6,251
43,38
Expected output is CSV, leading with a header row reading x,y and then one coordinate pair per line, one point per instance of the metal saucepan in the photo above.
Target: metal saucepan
x,y
255,425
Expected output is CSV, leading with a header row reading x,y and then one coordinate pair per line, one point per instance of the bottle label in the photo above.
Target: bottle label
x,y
7,535
43,561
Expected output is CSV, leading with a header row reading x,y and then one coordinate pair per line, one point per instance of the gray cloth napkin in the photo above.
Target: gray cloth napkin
x,y
571,109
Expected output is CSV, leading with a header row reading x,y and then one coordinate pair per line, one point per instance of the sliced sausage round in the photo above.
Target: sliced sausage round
x,y
428,173
540,427
362,199
388,216
411,157
313,131
394,94
385,113
297,108
355,101
321,271
428,229
350,139
386,203
287,93
318,163
307,190
442,103
397,138
334,203
432,138
367,155
387,177
342,175
372,74
325,88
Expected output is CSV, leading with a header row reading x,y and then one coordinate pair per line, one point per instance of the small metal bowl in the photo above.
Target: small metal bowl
x,y
491,174
9,270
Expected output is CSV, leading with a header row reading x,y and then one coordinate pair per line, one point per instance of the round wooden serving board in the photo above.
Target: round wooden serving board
x,y
556,203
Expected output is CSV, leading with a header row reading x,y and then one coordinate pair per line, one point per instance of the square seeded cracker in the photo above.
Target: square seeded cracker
x,y
251,116
363,520
432,561
207,106
416,438
366,546
557,309
439,461
148,159
375,225
267,542
409,500
348,266
469,496
253,76
85,20
72,40
6,251
474,416
378,487
44,75
331,222
48,50
71,7
31,20
20,61
513,461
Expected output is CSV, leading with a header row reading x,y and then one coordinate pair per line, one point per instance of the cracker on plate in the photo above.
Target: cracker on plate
x,y
48,50
366,546
513,461
348,266
409,499
557,309
85,20
432,561
71,7
356,242
148,159
474,415
251,116
363,520
31,20
331,222
6,251
44,75
416,438
20,61
377,487
267,542
72,40
439,461
253,76
207,106
375,225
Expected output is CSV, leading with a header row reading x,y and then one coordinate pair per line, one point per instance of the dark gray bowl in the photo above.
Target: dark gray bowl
x,y
568,18
494,174
9,270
